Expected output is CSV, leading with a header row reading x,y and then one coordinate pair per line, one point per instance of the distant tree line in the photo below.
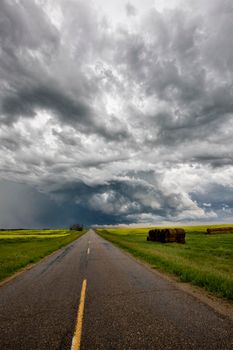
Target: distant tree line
x,y
76,227
12,229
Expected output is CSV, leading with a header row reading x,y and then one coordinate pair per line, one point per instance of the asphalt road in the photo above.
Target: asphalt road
x,y
127,306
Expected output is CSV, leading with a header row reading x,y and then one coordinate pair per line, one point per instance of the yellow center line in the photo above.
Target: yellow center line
x,y
76,342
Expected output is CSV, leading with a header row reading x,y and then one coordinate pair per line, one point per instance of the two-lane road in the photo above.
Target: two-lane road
x,y
127,306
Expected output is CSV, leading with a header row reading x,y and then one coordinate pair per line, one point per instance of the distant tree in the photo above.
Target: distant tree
x,y
76,227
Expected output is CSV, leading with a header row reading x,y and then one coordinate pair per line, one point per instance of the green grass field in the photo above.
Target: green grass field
x,y
23,247
205,260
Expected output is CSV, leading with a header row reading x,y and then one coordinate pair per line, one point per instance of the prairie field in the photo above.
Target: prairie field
x,y
18,248
204,260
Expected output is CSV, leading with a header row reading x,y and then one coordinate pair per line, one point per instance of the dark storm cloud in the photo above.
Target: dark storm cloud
x,y
121,200
219,199
118,123
25,31
31,75
39,210
218,196
173,67
25,103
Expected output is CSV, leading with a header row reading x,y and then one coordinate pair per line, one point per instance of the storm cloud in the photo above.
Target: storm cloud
x,y
112,117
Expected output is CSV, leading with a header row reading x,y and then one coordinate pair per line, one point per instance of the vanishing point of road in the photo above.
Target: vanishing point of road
x,y
91,295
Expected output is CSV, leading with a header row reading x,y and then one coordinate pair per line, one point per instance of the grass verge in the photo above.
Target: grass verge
x,y
205,260
20,248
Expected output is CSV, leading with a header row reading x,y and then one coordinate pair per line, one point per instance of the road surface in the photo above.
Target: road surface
x,y
125,306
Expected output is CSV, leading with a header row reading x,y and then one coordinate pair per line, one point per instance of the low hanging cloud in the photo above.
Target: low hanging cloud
x,y
119,122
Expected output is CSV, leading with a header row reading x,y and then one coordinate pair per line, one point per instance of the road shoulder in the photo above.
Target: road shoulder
x,y
29,266
222,306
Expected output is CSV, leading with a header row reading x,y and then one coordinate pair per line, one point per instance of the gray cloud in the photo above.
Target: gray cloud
x,y
130,9
125,123
25,103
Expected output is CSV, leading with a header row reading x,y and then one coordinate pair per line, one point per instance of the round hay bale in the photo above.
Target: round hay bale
x,y
180,231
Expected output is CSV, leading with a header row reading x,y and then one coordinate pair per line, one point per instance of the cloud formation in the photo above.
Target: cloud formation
x,y
125,122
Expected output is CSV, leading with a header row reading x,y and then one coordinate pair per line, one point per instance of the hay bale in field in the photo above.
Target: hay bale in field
x,y
167,235
153,235
150,235
219,230
161,235
180,235
174,235
171,235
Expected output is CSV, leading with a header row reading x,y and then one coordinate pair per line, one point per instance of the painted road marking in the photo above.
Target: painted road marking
x,y
88,250
76,342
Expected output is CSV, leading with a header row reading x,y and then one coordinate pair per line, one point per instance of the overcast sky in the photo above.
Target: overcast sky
x,y
115,112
